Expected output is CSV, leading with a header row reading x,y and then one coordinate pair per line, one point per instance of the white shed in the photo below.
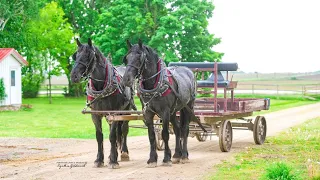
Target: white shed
x,y
10,70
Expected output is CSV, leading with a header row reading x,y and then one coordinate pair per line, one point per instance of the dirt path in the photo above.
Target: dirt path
x,y
32,158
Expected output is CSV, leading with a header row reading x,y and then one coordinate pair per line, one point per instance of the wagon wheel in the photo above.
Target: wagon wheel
x,y
259,130
201,137
157,132
225,136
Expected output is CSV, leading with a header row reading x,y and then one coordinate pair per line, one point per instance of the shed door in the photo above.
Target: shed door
x,y
13,87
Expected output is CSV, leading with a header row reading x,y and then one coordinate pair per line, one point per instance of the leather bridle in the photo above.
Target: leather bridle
x,y
143,59
87,72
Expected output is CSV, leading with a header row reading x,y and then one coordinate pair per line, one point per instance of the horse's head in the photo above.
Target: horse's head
x,y
85,60
135,61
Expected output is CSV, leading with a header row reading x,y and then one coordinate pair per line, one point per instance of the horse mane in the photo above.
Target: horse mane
x,y
99,54
151,53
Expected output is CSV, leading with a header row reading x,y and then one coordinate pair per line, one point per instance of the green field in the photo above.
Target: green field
x,y
63,119
294,154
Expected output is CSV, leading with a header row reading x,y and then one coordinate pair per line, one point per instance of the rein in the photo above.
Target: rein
x,y
154,74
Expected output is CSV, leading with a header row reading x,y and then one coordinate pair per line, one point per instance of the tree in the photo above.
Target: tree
x,y
83,15
16,10
175,28
54,41
184,29
15,17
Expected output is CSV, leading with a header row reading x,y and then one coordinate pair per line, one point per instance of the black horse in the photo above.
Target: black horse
x,y
106,93
163,91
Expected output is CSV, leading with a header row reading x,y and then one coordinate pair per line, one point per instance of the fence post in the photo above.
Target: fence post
x,y
252,88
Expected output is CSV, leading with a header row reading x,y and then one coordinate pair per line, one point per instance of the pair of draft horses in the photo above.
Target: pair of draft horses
x,y
163,91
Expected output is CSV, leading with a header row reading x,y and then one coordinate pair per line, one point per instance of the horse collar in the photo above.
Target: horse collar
x,y
111,85
160,88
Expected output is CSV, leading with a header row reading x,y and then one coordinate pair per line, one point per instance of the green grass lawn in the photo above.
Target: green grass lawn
x,y
63,118
295,152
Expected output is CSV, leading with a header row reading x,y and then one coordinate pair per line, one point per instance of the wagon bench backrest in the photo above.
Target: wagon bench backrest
x,y
212,82
209,67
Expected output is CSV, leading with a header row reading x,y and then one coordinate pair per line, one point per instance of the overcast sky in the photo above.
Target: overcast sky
x,y
268,35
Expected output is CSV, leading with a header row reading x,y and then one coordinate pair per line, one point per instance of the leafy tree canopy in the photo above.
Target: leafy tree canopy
x,y
177,29
54,35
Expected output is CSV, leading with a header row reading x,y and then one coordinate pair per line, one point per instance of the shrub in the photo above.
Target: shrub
x,y
280,171
74,90
31,85
2,90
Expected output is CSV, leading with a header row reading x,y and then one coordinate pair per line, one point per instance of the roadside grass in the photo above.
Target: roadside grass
x,y
293,154
63,118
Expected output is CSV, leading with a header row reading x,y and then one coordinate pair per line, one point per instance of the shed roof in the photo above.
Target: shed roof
x,y
4,52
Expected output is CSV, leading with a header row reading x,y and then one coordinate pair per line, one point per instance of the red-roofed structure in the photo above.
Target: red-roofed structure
x,y
10,71
4,52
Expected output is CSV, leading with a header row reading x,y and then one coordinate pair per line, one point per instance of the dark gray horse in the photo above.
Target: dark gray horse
x,y
163,91
106,93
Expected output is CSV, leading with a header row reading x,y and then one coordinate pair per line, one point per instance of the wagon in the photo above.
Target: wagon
x,y
218,114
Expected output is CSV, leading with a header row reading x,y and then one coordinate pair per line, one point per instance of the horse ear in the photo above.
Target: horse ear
x,y
74,56
129,45
89,42
140,43
78,42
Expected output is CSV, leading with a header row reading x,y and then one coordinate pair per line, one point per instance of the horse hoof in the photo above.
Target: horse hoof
x,y
175,160
169,163
113,166
152,165
98,164
184,160
125,156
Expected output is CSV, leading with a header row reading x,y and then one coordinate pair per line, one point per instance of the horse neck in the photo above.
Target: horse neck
x,y
100,74
150,70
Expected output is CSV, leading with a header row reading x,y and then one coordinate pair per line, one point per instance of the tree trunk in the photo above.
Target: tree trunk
x,y
50,99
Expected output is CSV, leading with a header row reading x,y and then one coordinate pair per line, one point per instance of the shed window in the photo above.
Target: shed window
x,y
13,78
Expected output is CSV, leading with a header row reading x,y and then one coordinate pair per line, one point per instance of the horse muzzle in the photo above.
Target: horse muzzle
x,y
75,78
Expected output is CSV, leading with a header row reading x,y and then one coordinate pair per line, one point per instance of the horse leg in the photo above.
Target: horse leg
x,y
176,129
165,137
184,124
119,135
153,157
96,119
113,158
124,147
